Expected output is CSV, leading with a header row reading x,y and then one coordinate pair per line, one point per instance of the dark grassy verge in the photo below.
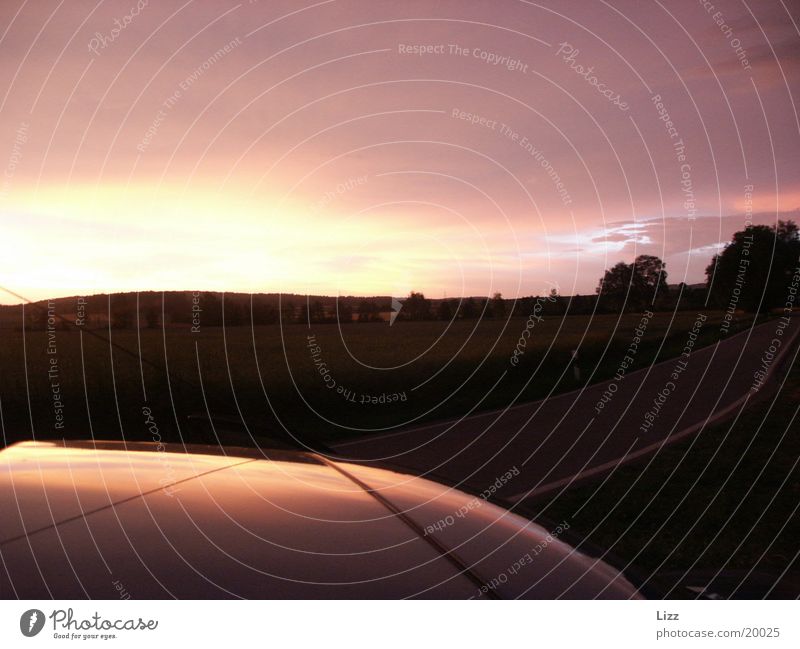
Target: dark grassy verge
x,y
724,500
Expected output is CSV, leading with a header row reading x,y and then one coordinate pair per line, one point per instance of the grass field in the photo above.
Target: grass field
x,y
725,500
375,377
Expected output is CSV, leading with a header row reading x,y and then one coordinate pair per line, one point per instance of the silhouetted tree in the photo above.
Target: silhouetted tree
x,y
303,315
445,310
416,307
754,270
317,312
263,313
635,285
368,311
123,310
344,313
469,309
498,306
288,312
211,305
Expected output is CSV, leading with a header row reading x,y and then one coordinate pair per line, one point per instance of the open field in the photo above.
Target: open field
x,y
324,382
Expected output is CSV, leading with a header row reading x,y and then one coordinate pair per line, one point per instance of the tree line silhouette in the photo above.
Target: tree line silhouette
x,y
754,272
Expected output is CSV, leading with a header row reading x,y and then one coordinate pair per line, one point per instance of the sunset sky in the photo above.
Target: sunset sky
x,y
313,147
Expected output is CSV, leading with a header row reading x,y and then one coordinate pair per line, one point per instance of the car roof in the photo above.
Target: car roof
x,y
94,519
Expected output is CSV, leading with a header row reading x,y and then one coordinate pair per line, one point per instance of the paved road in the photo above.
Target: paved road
x,y
560,440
